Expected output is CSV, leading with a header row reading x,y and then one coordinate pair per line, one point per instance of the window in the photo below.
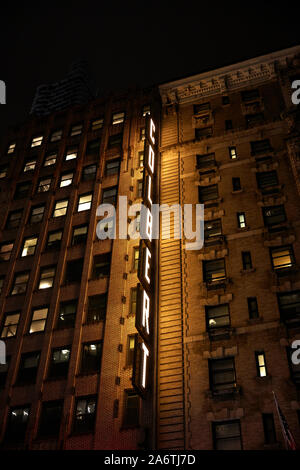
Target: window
x,y
250,95
228,124
3,171
93,147
37,141
227,435
236,184
47,275
112,167
11,148
131,409
50,159
225,100
38,320
289,306
3,372
36,214
214,270
79,234
266,179
146,110
212,228
60,208
85,415
67,314
44,185
10,325
199,108
253,119
29,246
282,257
246,258
96,310
109,195
136,256
118,118
115,140
76,130
50,420
6,250
20,283
91,357
59,363
22,190
131,339
205,160
54,240
139,192
71,154
141,159
89,173
217,316
222,375
1,283
203,132
14,219
241,218
142,133
97,124
274,215
84,202
101,266
56,135
208,193
74,271
232,153
252,307
17,423
261,364
66,179
269,428
260,146
28,368
133,301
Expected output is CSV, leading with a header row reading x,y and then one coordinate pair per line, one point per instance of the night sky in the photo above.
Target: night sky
x,y
39,44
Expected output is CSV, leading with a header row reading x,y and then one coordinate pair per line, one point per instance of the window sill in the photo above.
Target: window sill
x,y
238,191
85,374
263,380
254,321
129,427
247,271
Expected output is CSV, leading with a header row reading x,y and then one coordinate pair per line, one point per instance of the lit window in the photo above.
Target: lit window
x,y
66,179
232,153
36,214
227,435
84,202
282,257
212,228
142,133
118,118
38,321
29,246
44,185
20,283
36,141
47,277
146,110
60,208
85,415
56,135
79,234
50,159
3,171
97,124
54,240
136,256
274,215
241,219
141,159
71,154
29,165
11,148
112,167
5,251
10,325
217,316
261,364
76,130
214,270
130,349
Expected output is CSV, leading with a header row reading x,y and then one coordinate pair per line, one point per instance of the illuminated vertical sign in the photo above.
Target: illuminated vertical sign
x,y
146,270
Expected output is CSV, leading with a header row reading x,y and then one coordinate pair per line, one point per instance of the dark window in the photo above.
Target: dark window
x,y
217,316
115,140
241,219
146,109
274,215
205,160
67,314
85,415
232,153
6,250
74,271
228,124
225,100
139,192
236,184
246,258
112,167
96,311
28,368
89,173
76,129
56,135
222,375
266,179
212,228
22,190
91,357
269,428
14,219
93,147
131,339
199,108
203,132
109,195
59,363
260,146
50,420
101,266
10,324
131,409
20,283
289,306
208,193
133,301
36,214
253,119
17,423
250,95
261,367
282,257
79,234
252,307
227,435
47,275
4,372
1,283
54,240
214,270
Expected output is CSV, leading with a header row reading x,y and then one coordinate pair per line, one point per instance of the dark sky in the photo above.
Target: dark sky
x,y
38,44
